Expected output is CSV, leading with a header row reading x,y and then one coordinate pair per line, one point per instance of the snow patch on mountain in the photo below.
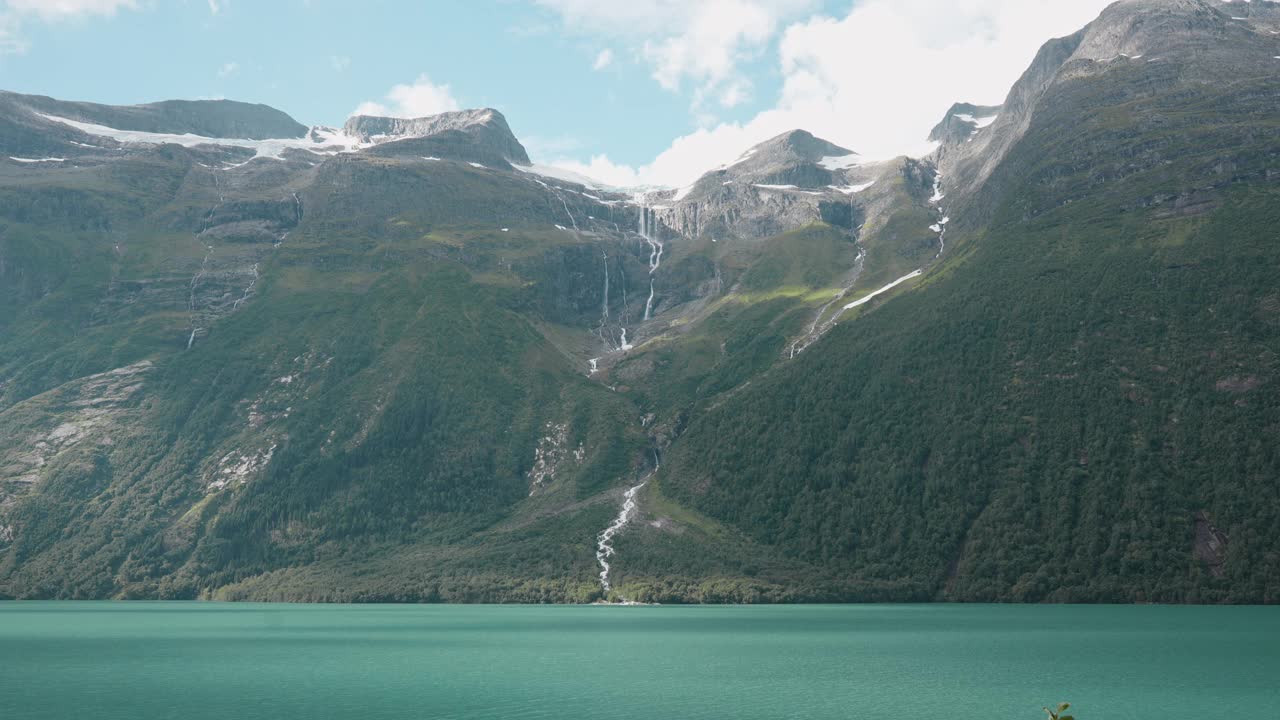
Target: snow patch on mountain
x,y
981,122
319,140
785,188
843,162
852,189
741,159
883,290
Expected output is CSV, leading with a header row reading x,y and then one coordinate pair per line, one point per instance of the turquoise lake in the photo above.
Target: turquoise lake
x,y
187,660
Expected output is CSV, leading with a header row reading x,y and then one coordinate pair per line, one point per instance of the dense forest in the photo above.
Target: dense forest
x,y
1069,410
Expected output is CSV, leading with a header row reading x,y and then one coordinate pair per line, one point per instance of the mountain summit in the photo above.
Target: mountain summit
x,y
485,130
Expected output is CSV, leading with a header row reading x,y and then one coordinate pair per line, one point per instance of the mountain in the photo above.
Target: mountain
x,y
31,123
1136,50
484,133
1072,406
962,123
788,182
244,359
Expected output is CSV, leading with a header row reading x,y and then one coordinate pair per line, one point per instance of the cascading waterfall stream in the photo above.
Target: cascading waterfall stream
x,y
603,327
297,212
191,299
655,260
604,314
252,283
941,226
204,264
568,212
818,328
856,303
604,541
815,332
656,248
555,191
604,310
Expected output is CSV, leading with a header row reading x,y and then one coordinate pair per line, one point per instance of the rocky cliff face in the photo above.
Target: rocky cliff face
x,y
484,131
1139,48
962,122
1119,197
780,185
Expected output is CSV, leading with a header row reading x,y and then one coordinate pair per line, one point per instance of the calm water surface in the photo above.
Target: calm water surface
x,y
176,660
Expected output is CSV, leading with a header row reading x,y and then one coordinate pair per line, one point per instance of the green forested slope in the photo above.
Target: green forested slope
x,y
1086,386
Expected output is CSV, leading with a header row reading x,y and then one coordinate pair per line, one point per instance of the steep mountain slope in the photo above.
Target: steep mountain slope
x,y
244,359
1074,405
1137,49
378,358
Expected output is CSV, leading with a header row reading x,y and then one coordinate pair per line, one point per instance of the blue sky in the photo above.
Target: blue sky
x,y
319,60
652,90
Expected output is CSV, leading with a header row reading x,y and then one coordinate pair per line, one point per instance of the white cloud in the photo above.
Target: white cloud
x,y
419,99
713,41
340,63
228,69
878,79
603,60
734,94
601,169
14,12
64,9
11,40
699,43
214,7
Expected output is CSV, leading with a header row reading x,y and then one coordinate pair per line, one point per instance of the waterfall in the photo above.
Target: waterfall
x,y
191,299
195,281
818,328
568,212
604,313
941,226
604,541
604,309
656,248
253,282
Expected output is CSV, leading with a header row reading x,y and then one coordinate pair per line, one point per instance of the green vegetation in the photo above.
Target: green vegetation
x,y
783,282
1057,414
378,389
1060,712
